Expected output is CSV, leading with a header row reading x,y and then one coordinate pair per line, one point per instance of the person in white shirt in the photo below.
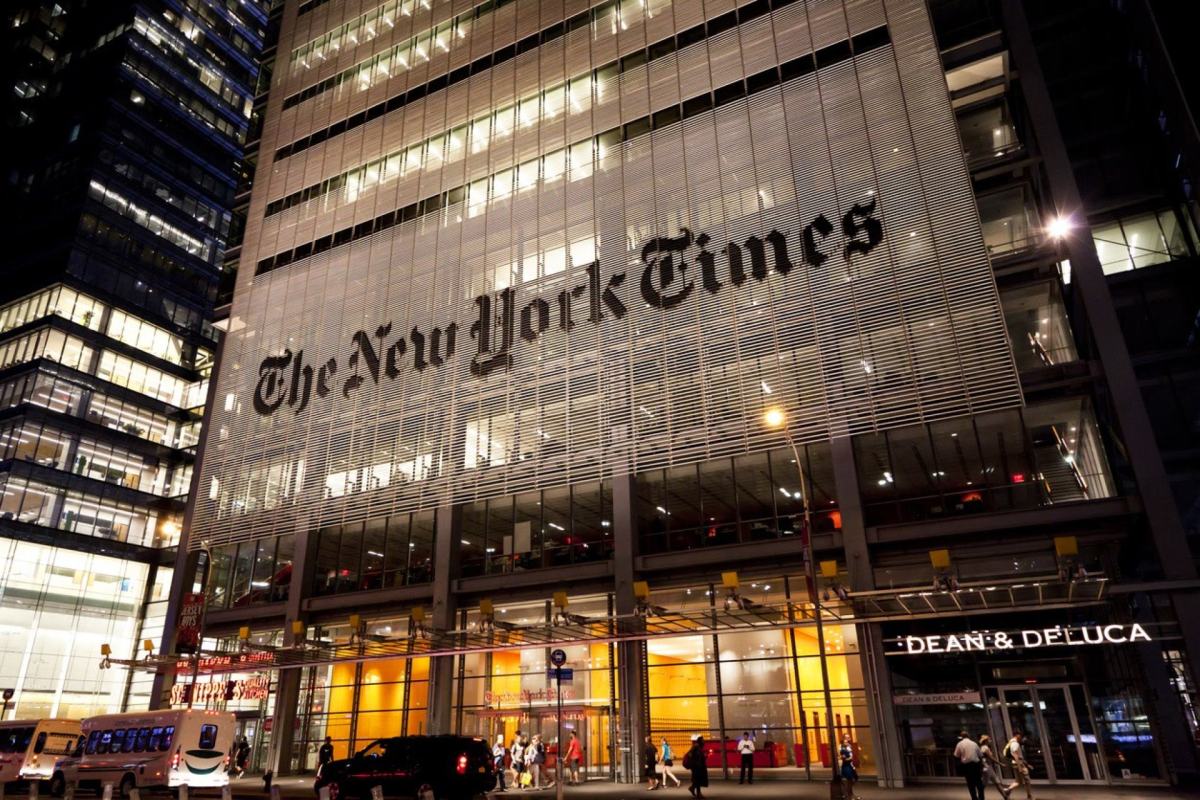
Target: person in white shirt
x,y
1015,750
970,761
746,748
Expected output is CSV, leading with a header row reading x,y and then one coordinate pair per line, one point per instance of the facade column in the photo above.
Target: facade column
x,y
633,722
877,680
186,560
448,531
1158,501
285,714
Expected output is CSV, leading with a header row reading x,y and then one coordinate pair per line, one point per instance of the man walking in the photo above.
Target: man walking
x,y
1015,749
325,754
970,761
746,748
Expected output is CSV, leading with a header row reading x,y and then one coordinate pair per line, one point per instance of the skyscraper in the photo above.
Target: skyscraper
x,y
655,332
124,125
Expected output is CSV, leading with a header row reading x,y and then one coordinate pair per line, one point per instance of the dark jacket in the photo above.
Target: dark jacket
x,y
698,765
325,754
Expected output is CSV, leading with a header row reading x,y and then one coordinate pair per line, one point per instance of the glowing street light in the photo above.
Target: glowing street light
x,y
1059,227
775,418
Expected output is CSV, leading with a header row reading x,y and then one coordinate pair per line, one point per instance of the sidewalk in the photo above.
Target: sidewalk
x,y
769,790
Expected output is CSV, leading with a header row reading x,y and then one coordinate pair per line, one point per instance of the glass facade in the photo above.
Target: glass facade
x,y
59,606
120,173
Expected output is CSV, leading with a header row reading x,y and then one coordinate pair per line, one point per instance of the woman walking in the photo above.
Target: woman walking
x,y
991,767
696,762
849,773
667,760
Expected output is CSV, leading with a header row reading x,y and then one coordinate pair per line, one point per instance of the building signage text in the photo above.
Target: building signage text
x,y
676,268
940,699
525,697
254,688
1031,638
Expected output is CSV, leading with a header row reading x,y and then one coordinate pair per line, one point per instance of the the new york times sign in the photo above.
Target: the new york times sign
x,y
676,269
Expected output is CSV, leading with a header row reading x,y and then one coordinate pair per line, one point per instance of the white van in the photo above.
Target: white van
x,y
150,749
29,748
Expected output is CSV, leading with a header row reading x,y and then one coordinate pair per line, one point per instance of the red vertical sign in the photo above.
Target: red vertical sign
x,y
191,615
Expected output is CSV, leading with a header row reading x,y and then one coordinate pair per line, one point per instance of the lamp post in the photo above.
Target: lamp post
x,y
775,418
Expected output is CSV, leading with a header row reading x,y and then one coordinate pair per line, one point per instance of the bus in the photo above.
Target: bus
x,y
150,749
29,748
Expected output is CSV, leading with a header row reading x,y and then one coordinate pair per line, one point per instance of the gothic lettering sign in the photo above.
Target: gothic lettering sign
x,y
1027,639
672,268
814,245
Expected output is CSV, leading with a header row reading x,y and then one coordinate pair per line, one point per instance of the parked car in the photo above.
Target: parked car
x,y
455,767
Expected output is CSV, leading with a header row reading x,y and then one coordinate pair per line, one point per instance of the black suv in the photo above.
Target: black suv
x,y
455,767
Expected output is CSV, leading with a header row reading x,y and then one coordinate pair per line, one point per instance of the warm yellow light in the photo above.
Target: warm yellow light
x,y
1058,227
148,645
105,649
774,417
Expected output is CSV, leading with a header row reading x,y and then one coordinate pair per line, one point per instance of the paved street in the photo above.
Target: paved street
x,y
720,790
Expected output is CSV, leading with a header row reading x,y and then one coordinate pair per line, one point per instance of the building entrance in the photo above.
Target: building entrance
x,y
1060,736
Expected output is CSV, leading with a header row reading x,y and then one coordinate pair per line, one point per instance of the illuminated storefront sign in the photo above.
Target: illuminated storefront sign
x,y
1027,639
675,267
526,697
255,688
939,699
230,663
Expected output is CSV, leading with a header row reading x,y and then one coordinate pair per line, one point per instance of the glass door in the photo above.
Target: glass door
x,y
1060,741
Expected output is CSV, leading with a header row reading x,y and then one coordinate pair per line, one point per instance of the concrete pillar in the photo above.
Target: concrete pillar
x,y
185,559
1158,501
877,679
446,548
286,711
633,722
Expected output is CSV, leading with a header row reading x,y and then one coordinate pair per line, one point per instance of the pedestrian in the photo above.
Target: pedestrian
x,y
535,757
650,763
243,756
518,758
574,757
325,754
849,772
1015,750
746,748
970,764
991,767
695,761
498,753
666,758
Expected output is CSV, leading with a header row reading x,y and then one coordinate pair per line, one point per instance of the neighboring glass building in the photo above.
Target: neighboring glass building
x,y
519,282
124,125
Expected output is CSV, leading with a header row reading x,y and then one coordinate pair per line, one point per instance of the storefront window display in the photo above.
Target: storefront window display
x,y
766,682
1080,708
506,691
357,703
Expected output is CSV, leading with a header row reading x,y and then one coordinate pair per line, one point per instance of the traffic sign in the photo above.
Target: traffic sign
x,y
561,675
558,657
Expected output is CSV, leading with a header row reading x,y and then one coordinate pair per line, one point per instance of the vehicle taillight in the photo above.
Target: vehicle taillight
x,y
462,764
175,760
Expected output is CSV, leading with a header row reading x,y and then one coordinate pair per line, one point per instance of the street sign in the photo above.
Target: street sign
x,y
558,657
561,675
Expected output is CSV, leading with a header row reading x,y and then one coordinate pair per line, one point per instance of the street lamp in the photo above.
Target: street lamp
x,y
775,418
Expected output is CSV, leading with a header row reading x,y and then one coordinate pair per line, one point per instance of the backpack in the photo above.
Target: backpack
x,y
687,760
